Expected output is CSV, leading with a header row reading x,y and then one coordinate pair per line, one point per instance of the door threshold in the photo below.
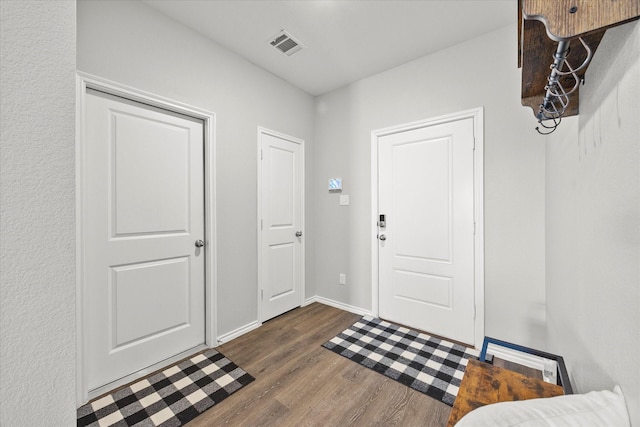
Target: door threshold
x,y
131,378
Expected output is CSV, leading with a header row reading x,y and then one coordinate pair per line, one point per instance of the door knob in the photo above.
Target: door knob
x,y
383,237
298,233
199,243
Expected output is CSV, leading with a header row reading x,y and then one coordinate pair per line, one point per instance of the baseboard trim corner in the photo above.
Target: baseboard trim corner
x,y
225,338
337,304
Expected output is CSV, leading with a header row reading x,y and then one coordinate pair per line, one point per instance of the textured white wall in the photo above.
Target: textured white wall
x,y
37,290
593,225
133,44
480,72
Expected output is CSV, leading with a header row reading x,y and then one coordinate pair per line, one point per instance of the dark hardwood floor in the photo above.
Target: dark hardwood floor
x,y
299,383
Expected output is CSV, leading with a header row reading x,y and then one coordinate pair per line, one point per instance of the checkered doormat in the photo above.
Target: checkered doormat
x,y
430,365
169,398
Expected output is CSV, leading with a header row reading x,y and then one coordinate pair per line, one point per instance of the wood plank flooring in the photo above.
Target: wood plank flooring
x,y
299,383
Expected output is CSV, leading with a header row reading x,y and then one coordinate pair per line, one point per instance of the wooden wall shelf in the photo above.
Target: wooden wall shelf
x,y
567,19
544,23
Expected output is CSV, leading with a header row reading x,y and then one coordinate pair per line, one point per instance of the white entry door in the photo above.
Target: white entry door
x,y
426,249
281,224
143,223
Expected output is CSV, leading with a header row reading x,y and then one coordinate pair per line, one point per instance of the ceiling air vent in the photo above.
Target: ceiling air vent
x,y
285,43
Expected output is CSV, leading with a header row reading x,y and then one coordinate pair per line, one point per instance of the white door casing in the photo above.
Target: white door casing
x,y
280,223
144,297
428,258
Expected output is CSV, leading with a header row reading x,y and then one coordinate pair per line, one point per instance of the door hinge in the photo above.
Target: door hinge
x,y
474,143
474,228
261,155
261,225
261,294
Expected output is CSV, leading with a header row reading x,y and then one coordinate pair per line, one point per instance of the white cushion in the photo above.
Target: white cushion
x,y
594,409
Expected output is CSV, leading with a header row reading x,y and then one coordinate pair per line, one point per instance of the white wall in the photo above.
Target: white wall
x,y
593,225
37,180
131,43
480,72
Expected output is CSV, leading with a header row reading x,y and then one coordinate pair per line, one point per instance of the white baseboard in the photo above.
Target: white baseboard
x,y
237,332
337,304
224,338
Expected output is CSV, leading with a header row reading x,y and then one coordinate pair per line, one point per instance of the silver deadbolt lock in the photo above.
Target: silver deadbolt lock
x,y
199,243
298,233
383,237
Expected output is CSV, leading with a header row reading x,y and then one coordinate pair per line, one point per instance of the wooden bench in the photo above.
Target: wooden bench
x,y
484,384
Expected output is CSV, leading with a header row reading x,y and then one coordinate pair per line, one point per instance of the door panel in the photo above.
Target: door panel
x,y
167,280
423,288
281,182
150,169
426,263
281,260
143,210
421,199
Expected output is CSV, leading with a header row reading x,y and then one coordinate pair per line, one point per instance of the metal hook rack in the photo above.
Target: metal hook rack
x,y
562,29
556,98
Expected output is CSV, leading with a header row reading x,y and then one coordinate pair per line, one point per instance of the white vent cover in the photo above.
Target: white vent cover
x,y
285,43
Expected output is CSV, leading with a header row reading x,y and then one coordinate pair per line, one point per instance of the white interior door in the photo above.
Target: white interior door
x,y
143,215
281,224
426,249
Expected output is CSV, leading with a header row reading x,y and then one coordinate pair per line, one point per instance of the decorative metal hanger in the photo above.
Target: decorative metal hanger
x,y
556,99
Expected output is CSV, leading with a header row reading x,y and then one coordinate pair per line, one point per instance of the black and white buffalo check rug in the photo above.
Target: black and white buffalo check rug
x,y
430,365
169,398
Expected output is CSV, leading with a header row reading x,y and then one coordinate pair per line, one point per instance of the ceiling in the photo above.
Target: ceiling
x,y
345,40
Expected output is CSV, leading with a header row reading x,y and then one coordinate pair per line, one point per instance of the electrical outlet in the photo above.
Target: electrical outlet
x,y
343,279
